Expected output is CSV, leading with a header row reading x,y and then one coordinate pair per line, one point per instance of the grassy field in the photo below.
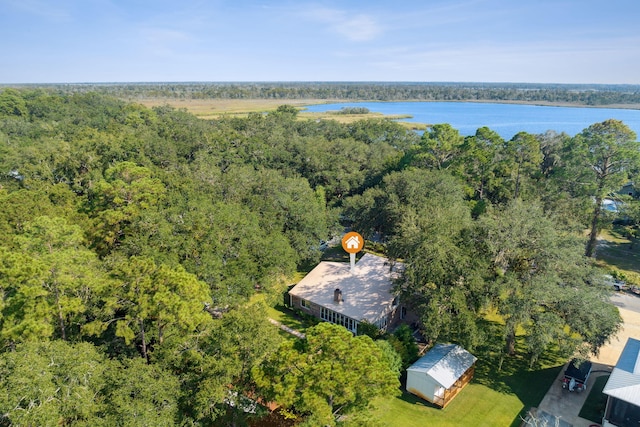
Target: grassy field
x,y
211,108
214,108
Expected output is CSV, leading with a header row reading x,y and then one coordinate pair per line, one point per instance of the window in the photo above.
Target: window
x,y
339,319
305,304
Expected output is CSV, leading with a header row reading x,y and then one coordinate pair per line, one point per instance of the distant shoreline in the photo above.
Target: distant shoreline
x,y
214,108
486,101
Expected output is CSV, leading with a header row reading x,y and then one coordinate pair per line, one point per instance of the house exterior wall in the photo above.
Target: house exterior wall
x,y
305,306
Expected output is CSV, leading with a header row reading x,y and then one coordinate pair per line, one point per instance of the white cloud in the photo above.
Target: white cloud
x,y
357,28
360,28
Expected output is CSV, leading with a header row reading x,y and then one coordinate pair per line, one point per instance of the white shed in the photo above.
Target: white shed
x,y
441,373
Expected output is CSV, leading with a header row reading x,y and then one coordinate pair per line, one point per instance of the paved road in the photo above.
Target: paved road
x,y
627,301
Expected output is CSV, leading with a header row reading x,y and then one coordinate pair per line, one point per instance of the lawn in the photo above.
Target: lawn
x,y
614,250
494,398
593,408
476,405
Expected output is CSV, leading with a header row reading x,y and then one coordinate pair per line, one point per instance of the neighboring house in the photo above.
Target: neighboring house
x,y
439,375
623,389
332,292
629,190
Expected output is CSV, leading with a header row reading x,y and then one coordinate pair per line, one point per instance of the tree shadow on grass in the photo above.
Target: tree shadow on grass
x,y
623,253
415,400
295,320
529,384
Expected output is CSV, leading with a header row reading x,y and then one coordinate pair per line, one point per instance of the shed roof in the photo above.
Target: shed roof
x,y
366,293
445,363
624,382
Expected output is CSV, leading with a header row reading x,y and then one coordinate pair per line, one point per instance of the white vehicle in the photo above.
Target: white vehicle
x,y
617,284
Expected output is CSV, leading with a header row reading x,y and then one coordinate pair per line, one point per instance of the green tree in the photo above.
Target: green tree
x,y
522,158
52,384
478,163
439,148
226,247
542,282
443,277
71,273
214,365
136,393
152,301
404,344
602,157
25,309
329,374
284,205
118,201
409,192
12,103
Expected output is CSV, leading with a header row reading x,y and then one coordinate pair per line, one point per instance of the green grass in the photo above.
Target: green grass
x,y
493,398
476,405
593,408
618,252
288,318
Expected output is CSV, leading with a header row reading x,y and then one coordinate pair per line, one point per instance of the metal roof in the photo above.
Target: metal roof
x,y
624,382
445,363
366,293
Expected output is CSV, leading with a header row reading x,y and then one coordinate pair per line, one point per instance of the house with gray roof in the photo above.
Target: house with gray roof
x,y
623,389
333,292
441,373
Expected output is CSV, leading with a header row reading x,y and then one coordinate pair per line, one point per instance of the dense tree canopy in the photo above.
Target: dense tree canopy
x,y
328,374
137,244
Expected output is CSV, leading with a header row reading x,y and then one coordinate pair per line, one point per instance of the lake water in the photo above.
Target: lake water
x,y
506,119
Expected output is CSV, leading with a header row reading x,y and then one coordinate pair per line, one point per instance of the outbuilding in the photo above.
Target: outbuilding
x,y
439,375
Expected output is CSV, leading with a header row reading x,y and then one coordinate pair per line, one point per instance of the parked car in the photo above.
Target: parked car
x,y
576,375
617,284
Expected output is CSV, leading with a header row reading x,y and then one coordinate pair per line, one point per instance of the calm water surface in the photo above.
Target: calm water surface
x,y
506,119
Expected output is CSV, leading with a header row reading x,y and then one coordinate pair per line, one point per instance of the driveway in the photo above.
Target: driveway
x,y
567,405
627,301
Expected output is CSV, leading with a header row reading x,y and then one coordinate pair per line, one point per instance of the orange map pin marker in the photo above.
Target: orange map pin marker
x,y
352,242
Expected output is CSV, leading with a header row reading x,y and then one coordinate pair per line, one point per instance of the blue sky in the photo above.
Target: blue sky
x,y
559,41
